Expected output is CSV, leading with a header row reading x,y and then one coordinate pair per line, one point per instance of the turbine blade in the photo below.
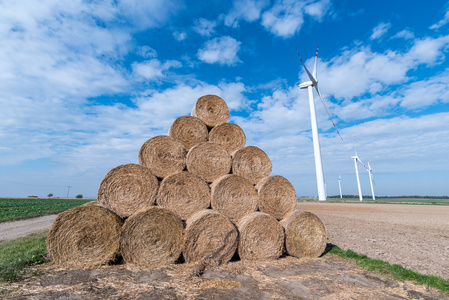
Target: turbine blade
x,y
314,67
324,104
305,68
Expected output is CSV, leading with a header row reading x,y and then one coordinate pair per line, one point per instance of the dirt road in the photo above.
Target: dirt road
x,y
16,229
414,236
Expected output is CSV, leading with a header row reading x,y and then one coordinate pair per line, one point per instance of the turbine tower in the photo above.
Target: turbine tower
x,y
339,185
371,180
356,158
316,142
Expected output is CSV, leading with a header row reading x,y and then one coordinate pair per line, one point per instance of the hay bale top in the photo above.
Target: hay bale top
x,y
127,189
189,130
184,194
230,135
305,234
261,237
152,237
234,196
277,196
211,109
85,236
209,161
209,236
163,155
252,163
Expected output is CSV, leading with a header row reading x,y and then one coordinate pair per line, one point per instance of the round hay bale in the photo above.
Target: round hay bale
x,y
184,194
190,131
211,109
85,236
163,155
127,189
230,135
208,161
234,196
91,203
305,235
209,236
152,237
252,163
277,196
261,237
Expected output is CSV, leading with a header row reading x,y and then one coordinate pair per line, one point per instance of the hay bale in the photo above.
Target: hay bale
x,y
91,203
84,237
127,189
152,237
184,194
252,163
277,196
230,135
163,155
211,109
261,237
209,237
208,161
234,196
190,131
305,235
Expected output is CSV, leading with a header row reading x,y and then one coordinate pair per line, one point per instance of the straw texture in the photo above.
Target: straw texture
x,y
152,237
230,135
277,196
211,237
208,161
261,237
190,131
163,155
252,163
211,109
184,194
127,189
84,237
234,196
305,235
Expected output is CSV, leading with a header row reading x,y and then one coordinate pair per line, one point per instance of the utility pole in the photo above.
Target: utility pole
x,y
68,189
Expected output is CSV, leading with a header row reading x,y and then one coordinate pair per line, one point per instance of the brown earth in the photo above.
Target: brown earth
x,y
391,232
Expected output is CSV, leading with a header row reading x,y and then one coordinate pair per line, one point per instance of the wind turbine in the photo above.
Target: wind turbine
x,y
371,180
339,185
356,158
316,142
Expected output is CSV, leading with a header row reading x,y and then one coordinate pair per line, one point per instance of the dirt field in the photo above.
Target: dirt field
x,y
414,236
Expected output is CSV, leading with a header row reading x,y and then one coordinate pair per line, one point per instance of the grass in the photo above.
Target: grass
x,y
18,255
396,271
15,208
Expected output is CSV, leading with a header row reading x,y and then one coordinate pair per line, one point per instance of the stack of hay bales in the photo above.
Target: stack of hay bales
x,y
197,191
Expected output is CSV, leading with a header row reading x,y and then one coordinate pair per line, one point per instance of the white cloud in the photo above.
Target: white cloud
x,y
204,27
442,22
180,36
247,10
380,30
220,50
286,17
404,34
153,69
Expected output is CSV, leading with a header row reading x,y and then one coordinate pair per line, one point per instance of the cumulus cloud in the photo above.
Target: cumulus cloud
x,y
153,69
204,27
380,30
146,52
180,36
247,10
221,50
286,17
404,34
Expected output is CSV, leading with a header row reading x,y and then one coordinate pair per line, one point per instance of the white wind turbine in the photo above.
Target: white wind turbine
x,y
371,180
316,142
356,158
339,185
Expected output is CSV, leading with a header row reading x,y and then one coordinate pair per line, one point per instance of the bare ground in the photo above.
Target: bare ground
x,y
414,236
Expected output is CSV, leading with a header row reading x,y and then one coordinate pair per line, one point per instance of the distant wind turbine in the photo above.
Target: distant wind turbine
x,y
371,180
356,158
339,185
316,142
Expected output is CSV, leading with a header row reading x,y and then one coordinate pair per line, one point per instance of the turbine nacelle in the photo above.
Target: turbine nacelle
x,y
306,84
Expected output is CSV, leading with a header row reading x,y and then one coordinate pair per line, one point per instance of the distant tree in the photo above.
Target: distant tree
x,y
79,196
50,195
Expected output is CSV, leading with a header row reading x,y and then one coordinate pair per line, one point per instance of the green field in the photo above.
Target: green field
x,y
15,208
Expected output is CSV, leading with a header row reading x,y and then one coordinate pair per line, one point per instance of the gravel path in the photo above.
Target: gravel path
x,y
16,229
414,236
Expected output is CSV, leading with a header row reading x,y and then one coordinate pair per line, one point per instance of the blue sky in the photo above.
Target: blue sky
x,y
83,84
